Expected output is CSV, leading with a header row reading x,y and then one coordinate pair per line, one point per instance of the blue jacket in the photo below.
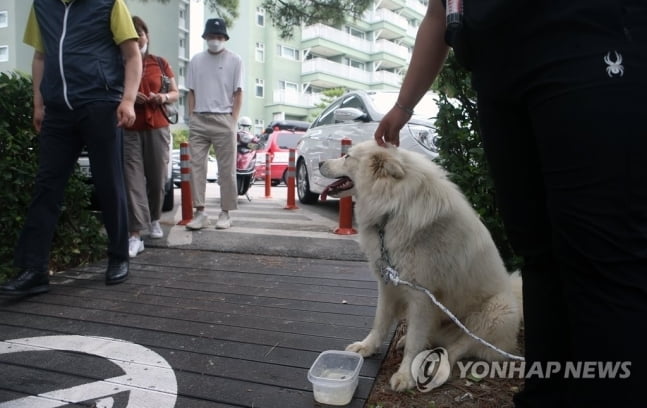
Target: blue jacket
x,y
82,62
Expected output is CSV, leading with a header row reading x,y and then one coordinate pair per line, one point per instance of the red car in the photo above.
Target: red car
x,y
285,135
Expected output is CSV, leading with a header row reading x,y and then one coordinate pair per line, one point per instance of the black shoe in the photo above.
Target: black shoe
x,y
117,271
31,281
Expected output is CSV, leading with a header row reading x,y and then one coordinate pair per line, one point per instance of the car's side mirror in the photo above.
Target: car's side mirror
x,y
350,114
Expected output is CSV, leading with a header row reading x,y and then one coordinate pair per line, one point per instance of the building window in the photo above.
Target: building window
x,y
288,52
355,32
4,53
260,88
259,126
354,63
260,52
4,19
288,86
260,16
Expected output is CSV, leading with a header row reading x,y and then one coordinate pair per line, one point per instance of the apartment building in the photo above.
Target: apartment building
x,y
14,55
168,23
285,77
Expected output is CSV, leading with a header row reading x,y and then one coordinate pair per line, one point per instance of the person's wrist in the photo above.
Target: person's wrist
x,y
165,97
404,108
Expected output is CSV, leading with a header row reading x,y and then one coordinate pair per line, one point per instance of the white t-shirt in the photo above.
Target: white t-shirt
x,y
214,78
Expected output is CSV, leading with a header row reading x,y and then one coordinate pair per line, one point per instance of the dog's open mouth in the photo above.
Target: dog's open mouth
x,y
338,186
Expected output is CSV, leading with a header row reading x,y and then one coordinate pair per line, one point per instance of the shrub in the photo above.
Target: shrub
x,y
461,151
78,237
180,135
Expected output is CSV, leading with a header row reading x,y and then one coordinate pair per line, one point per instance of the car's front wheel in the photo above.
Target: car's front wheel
x,y
303,185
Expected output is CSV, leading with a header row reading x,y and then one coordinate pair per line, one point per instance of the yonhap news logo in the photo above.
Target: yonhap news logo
x,y
549,369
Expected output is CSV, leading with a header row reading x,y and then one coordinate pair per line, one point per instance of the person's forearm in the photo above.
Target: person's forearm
x,y
37,69
238,103
429,54
132,70
191,101
173,95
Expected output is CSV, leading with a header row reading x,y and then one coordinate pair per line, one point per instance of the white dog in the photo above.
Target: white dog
x,y
431,236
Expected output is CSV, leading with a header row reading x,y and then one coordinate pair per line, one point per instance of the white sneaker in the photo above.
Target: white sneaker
x,y
199,221
156,230
224,221
135,246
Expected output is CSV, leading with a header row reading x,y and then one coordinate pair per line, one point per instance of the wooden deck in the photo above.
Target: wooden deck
x,y
236,330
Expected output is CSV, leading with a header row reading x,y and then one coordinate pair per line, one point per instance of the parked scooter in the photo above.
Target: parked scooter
x,y
246,156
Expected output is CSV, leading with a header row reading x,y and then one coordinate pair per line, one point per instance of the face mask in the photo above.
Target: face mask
x,y
215,45
144,49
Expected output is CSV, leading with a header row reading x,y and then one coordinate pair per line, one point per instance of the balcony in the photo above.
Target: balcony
x,y
389,24
389,50
414,8
329,42
328,74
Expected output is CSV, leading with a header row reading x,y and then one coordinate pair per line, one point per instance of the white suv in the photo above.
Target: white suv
x,y
356,115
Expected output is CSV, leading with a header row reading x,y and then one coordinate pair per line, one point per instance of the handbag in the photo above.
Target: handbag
x,y
169,110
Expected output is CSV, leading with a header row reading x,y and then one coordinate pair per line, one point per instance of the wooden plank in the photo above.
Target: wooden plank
x,y
141,311
238,330
170,343
220,306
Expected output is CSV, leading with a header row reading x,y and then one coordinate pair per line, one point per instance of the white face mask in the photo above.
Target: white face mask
x,y
144,49
215,45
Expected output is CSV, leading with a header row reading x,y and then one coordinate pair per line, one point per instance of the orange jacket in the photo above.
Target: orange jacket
x,y
150,116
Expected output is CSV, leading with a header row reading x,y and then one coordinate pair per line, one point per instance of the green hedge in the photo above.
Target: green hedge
x,y
79,238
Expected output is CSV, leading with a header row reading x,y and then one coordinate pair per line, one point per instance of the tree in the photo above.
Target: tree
x,y
225,9
287,14
328,95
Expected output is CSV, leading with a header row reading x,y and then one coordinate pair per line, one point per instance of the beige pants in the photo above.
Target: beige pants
x,y
219,131
146,156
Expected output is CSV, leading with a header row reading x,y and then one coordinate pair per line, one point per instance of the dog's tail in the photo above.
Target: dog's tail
x,y
516,283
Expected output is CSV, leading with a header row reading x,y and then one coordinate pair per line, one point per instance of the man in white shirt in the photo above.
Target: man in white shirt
x,y
215,85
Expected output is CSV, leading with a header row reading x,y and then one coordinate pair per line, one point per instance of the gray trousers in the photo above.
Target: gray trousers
x,y
146,157
219,131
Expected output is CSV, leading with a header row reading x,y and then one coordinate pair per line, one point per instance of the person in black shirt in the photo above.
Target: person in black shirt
x,y
561,96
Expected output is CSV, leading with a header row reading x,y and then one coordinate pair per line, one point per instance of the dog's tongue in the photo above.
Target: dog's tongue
x,y
324,193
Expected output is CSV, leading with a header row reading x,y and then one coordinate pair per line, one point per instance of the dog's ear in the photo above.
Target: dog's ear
x,y
385,165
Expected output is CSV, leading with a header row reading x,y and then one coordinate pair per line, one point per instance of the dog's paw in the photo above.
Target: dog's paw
x,y
362,348
402,381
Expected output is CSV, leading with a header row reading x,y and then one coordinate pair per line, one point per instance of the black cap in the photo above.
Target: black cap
x,y
215,26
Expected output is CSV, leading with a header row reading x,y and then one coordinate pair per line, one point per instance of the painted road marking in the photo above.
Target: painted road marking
x,y
149,378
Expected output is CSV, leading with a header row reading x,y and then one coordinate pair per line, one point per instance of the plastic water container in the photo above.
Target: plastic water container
x,y
334,376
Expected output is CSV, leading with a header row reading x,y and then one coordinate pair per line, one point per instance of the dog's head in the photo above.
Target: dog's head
x,y
365,164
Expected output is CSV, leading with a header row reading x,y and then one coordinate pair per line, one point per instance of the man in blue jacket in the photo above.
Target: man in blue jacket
x,y
86,70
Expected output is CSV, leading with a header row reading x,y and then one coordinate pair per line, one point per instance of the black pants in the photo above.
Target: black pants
x,y
569,159
63,135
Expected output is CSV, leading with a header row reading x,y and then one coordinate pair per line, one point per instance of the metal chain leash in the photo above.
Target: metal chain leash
x,y
390,275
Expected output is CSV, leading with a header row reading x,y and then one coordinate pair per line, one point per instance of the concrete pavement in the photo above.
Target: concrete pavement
x,y
263,226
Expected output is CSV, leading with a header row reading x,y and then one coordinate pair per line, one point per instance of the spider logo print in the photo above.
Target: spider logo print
x,y
614,67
